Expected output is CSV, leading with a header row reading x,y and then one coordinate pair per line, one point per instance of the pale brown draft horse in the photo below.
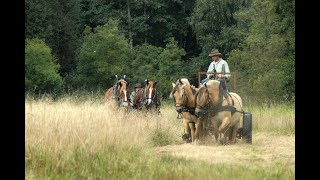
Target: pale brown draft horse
x,y
121,98
211,104
151,97
184,98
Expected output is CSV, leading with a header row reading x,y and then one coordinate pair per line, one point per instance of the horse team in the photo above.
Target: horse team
x,y
148,98
204,111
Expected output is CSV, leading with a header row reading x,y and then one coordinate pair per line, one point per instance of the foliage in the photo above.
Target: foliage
x,y
163,65
265,46
250,34
213,23
37,19
59,24
144,64
41,68
103,54
170,66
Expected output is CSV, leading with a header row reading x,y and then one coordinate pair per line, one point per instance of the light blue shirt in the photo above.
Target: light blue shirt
x,y
219,68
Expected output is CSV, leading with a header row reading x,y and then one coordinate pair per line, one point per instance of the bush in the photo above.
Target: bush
x,y
41,68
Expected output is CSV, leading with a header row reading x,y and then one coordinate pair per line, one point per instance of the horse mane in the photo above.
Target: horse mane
x,y
193,89
184,81
200,91
122,80
213,83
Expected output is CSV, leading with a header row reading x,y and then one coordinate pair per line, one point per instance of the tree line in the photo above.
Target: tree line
x,y
82,44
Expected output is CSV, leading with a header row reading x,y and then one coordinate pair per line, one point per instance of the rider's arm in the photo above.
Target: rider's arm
x,y
210,69
227,70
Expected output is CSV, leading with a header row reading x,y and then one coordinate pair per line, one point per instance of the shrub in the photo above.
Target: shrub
x,y
41,68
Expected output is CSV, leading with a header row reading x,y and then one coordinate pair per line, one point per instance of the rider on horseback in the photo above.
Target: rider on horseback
x,y
218,65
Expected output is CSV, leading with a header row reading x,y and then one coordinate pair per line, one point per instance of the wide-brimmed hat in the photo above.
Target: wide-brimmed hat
x,y
138,85
215,52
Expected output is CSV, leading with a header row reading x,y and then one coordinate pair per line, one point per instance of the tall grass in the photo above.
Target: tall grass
x,y
73,139
276,118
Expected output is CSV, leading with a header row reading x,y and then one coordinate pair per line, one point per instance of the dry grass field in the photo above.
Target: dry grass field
x,y
70,139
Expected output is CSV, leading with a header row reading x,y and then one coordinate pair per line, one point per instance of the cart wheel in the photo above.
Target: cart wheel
x,y
247,127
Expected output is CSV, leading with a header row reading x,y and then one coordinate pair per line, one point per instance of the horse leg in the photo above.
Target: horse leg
x,y
192,127
230,133
187,132
224,125
216,132
197,132
234,133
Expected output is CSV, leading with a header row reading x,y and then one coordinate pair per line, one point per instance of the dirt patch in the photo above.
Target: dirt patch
x,y
266,149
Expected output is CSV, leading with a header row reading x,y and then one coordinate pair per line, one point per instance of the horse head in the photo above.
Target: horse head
x,y
179,92
150,93
123,92
208,95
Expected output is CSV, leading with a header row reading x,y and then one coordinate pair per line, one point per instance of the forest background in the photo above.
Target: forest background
x,y
79,45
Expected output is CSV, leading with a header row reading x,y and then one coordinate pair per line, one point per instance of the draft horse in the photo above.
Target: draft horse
x,y
211,104
121,96
151,97
184,98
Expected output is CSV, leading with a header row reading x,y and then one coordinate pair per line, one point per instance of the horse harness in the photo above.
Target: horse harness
x,y
205,109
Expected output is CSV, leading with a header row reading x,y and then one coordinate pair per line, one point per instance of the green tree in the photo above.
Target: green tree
x,y
265,59
213,23
41,68
66,36
96,13
103,54
163,65
144,64
37,18
58,23
171,66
